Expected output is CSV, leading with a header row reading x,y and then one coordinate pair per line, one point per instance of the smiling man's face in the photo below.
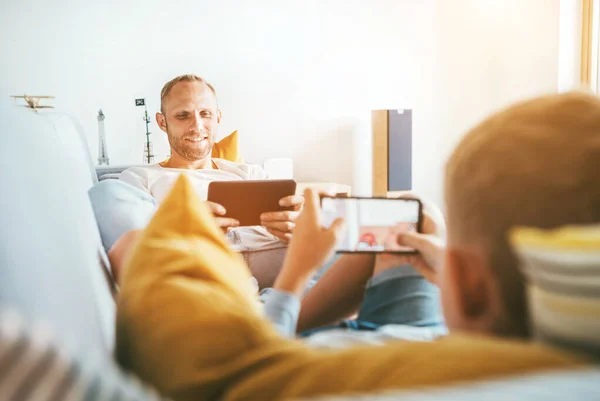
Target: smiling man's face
x,y
191,119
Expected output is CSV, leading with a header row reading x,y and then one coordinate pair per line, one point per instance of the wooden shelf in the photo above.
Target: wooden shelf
x,y
325,186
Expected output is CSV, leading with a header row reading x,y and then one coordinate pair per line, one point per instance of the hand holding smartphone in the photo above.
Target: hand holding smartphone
x,y
373,224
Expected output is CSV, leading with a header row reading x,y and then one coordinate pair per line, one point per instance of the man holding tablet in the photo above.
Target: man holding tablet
x,y
190,116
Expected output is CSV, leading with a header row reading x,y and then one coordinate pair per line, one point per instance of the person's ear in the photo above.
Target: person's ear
x,y
219,116
470,290
161,120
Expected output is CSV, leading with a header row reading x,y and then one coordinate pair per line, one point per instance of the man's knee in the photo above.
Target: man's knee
x,y
112,190
121,251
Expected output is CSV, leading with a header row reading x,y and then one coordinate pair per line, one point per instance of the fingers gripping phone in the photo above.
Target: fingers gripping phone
x,y
372,224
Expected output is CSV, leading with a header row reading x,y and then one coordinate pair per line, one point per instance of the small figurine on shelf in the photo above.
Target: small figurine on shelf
x,y
33,102
148,152
102,149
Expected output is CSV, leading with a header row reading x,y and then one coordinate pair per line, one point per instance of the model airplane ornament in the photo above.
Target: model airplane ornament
x,y
33,102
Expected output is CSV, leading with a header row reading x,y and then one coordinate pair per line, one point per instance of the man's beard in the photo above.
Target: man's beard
x,y
189,150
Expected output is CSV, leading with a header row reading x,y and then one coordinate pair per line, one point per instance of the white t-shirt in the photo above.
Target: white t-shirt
x,y
158,180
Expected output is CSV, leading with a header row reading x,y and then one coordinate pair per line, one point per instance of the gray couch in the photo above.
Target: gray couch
x,y
109,172
53,267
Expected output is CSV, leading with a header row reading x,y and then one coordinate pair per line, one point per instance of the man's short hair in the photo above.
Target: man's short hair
x,y
182,78
536,164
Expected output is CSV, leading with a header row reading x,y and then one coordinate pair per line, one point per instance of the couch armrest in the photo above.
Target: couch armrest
x,y
111,171
276,168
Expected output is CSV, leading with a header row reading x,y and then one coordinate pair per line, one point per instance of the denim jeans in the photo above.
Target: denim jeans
x,y
398,296
401,296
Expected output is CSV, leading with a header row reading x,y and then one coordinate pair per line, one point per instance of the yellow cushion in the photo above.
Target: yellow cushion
x,y
563,287
189,324
227,148
576,238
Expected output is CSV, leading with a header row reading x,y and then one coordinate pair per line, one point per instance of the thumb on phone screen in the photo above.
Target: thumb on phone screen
x,y
431,253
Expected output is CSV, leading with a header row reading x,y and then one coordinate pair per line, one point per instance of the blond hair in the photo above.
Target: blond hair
x,y
536,164
182,78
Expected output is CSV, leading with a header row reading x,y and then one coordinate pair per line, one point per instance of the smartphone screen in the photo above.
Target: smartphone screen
x,y
372,224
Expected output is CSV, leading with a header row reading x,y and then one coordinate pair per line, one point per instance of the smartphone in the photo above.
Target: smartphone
x,y
372,225
246,200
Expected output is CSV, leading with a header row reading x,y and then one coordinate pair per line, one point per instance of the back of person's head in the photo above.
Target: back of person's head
x,y
534,164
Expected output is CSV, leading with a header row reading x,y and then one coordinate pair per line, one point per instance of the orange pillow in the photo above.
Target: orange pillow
x,y
227,148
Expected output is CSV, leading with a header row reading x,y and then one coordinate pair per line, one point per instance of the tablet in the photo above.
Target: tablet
x,y
246,200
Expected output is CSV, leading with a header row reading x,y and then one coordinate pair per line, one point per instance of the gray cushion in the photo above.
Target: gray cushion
x,y
111,176
50,267
120,207
111,171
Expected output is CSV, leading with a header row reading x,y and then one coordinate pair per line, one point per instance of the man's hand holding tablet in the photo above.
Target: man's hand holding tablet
x,y
270,203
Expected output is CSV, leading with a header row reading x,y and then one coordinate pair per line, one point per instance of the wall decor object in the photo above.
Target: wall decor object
x,y
148,151
392,150
33,102
102,149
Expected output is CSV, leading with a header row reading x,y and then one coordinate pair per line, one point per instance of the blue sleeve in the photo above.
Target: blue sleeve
x,y
282,309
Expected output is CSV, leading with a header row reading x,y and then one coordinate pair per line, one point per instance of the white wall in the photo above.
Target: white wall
x,y
569,47
297,78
